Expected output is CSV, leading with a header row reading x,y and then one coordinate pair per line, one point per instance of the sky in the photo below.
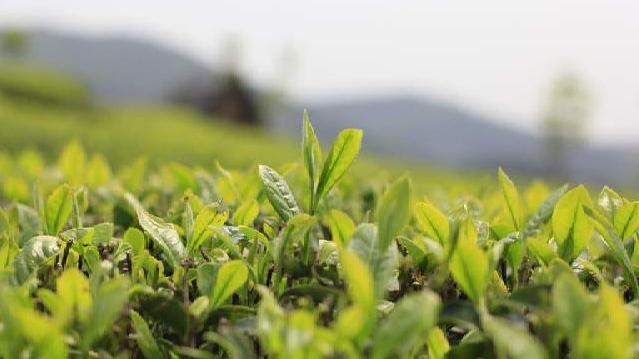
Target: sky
x,y
494,57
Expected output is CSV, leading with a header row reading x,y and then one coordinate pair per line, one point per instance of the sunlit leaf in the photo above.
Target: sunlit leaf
x,y
469,264
58,209
343,152
433,222
162,233
230,277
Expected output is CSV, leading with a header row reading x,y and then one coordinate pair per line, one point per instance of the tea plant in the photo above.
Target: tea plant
x,y
296,262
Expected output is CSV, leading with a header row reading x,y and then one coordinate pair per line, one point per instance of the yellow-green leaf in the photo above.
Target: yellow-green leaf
x,y
341,226
230,277
469,263
359,281
433,222
626,220
511,196
58,209
342,154
246,213
393,212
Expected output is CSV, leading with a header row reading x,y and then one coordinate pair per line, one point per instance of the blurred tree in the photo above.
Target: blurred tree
x,y
564,121
227,95
14,43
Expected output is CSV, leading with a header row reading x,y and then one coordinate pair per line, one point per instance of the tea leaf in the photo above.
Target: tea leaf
x,y
359,281
433,222
144,338
469,264
393,212
246,213
58,209
163,234
35,252
341,226
406,325
342,154
511,196
279,194
312,155
626,220
379,258
230,277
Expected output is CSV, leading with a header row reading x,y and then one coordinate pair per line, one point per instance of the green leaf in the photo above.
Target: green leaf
x,y
433,222
279,194
437,343
570,225
72,163
231,277
607,331
144,337
8,251
380,259
511,196
626,220
543,213
162,233
207,217
407,325
132,176
619,254
135,238
541,249
416,248
570,304
341,226
72,287
312,154
35,252
102,233
563,217
359,281
511,341
246,213
342,154
58,209
582,232
393,212
610,201
469,263
108,301
98,172
26,330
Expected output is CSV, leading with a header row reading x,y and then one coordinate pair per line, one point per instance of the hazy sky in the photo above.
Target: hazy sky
x,y
495,57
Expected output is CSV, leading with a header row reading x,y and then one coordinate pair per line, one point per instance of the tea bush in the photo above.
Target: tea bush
x,y
306,261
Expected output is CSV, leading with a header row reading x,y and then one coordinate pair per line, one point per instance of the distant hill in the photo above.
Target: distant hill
x,y
427,131
120,69
116,69
42,85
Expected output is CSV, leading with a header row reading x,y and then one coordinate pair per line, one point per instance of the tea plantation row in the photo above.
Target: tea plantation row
x,y
307,261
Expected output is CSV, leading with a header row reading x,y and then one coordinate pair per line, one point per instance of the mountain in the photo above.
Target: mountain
x,y
429,131
116,69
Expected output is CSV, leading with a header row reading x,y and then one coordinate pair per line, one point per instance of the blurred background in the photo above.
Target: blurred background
x,y
544,88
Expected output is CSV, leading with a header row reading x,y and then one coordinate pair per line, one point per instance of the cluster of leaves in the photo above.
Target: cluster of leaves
x,y
301,262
